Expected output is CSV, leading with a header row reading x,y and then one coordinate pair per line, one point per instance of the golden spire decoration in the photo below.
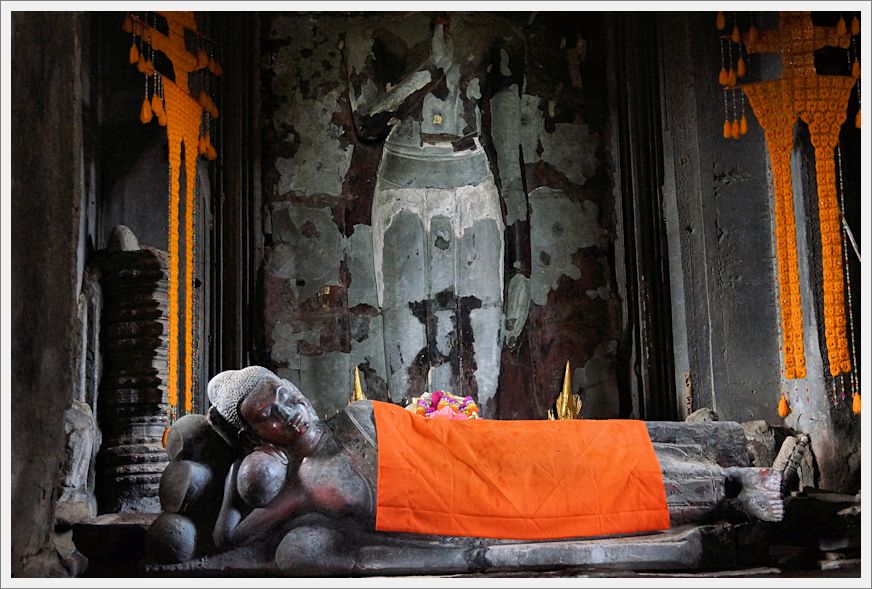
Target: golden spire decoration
x,y
357,395
568,405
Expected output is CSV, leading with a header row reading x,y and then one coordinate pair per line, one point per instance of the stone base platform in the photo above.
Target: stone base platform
x,y
688,548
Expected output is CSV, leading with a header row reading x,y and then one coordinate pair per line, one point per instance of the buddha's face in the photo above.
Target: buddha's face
x,y
278,413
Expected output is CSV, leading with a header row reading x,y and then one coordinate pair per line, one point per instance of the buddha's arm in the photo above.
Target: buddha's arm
x,y
231,529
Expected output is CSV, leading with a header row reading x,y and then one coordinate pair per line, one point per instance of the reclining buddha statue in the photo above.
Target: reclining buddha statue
x,y
263,474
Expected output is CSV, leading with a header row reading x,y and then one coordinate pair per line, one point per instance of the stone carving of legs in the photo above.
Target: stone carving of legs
x,y
315,548
697,489
404,283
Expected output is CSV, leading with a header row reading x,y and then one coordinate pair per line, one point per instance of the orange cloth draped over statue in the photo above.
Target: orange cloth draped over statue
x,y
524,480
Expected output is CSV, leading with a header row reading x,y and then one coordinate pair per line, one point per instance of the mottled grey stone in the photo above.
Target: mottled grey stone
x,y
441,378
679,549
371,350
486,323
362,290
442,250
480,262
558,228
320,164
444,330
722,442
761,442
122,239
702,415
571,149
286,342
531,125
77,501
404,334
505,131
328,380
308,248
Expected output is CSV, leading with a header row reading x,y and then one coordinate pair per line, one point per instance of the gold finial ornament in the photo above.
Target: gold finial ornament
x,y
568,405
358,390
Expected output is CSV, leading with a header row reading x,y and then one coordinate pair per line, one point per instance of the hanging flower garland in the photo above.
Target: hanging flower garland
x,y
820,101
173,107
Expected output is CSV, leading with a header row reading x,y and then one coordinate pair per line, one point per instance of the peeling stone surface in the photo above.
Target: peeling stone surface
x,y
571,150
361,268
319,166
503,77
558,228
308,259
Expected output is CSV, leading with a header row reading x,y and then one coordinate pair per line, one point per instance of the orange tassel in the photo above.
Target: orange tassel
x,y
201,145
740,68
728,130
855,404
140,65
734,129
156,105
753,35
743,125
145,113
732,78
841,27
162,119
134,54
203,99
855,69
218,71
855,25
202,58
736,36
127,25
211,154
149,67
722,77
720,21
857,120
213,112
783,407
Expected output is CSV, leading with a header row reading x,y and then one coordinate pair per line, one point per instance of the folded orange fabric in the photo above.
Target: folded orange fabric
x,y
524,480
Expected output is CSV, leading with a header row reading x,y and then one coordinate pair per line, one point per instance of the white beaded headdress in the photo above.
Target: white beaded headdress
x,y
227,389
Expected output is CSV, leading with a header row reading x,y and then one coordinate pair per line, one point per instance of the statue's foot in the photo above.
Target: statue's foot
x,y
760,496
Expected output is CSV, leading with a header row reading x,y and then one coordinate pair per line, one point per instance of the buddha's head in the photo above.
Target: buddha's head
x,y
266,408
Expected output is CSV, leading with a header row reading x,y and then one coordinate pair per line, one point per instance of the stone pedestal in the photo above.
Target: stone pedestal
x,y
359,553
133,398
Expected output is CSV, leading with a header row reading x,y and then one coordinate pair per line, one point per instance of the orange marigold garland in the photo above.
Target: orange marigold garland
x,y
173,107
821,101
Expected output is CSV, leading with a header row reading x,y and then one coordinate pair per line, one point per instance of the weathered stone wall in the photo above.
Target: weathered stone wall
x,y
47,171
724,215
536,82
